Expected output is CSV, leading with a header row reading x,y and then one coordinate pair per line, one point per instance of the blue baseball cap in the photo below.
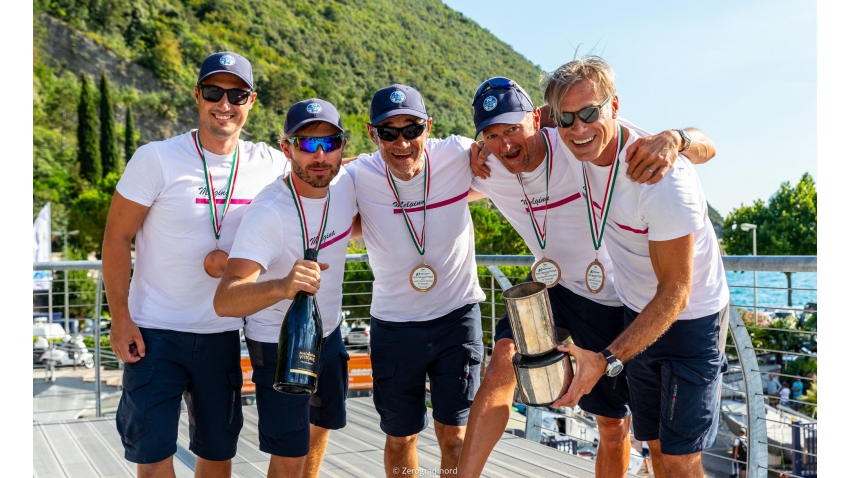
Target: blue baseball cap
x,y
227,62
310,111
396,100
501,105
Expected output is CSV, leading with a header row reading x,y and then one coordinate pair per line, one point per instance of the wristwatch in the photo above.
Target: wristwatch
x,y
614,365
687,139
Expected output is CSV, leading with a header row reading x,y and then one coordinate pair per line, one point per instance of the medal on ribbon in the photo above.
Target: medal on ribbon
x,y
216,260
423,277
545,270
302,218
594,276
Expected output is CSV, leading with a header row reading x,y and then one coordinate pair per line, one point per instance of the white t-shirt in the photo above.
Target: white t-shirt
x,y
785,394
672,208
449,236
270,235
170,289
568,232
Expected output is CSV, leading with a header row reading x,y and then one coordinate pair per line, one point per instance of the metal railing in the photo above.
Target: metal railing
x,y
748,363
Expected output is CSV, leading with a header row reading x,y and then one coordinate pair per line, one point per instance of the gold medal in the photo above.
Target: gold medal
x,y
214,263
423,277
594,277
546,271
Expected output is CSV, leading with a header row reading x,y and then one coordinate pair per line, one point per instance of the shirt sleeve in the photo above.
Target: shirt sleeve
x,y
142,181
673,207
258,236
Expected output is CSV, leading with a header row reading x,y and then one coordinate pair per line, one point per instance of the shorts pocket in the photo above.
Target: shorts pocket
x,y
384,386
689,401
131,420
234,401
474,353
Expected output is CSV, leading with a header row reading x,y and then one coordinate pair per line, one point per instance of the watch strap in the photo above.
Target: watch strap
x,y
687,139
609,356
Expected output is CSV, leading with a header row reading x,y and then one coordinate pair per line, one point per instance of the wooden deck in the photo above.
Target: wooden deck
x,y
92,448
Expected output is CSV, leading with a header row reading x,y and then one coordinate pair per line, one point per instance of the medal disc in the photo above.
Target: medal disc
x,y
423,278
215,262
546,271
594,277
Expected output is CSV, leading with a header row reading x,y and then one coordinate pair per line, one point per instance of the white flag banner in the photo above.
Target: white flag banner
x,y
41,248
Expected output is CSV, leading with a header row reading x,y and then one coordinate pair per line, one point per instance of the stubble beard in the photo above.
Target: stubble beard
x,y
303,173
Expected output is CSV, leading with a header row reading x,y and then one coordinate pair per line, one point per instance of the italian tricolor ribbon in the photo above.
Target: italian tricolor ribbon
x,y
231,184
302,217
539,232
597,228
418,240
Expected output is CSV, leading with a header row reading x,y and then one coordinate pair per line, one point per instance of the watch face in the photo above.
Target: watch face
x,y
615,369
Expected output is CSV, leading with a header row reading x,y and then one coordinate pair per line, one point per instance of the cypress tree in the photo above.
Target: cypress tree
x,y
129,135
110,157
89,148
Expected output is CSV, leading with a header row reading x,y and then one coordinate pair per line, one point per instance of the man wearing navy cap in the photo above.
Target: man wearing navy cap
x,y
425,315
312,207
183,200
531,183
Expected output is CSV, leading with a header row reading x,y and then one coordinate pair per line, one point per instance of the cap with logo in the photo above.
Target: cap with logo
x,y
311,111
502,105
396,100
227,62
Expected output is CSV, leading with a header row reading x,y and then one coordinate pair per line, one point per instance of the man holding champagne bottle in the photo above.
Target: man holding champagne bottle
x,y
307,213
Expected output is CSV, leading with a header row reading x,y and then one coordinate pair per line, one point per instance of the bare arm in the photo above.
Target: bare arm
x,y
124,220
658,152
672,261
356,227
239,294
475,195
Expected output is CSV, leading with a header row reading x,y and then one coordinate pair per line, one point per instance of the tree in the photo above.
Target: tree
x,y
787,224
89,149
129,135
110,157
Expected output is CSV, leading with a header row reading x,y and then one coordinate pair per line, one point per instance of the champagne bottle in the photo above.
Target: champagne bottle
x,y
300,345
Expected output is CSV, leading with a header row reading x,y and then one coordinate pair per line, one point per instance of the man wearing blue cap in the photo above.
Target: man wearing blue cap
x,y
183,200
425,315
312,207
531,183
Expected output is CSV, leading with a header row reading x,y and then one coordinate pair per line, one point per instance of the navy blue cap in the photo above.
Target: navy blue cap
x,y
310,111
396,100
507,105
227,62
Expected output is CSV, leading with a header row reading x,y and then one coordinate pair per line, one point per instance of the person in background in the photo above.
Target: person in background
x,y
739,453
797,392
784,394
772,387
647,459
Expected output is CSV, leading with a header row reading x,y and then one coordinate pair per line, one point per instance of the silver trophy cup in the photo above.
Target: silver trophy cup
x,y
540,368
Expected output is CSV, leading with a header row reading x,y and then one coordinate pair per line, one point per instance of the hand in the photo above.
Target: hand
x,y
654,153
478,153
126,340
590,367
304,277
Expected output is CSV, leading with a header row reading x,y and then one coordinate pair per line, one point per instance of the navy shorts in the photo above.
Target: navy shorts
x,y
204,369
283,418
447,349
675,384
593,327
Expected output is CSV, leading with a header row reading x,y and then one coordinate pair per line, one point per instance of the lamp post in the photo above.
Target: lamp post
x,y
752,227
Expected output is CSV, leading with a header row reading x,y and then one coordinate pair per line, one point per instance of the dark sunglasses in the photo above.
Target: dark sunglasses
x,y
496,82
310,144
388,133
236,96
587,115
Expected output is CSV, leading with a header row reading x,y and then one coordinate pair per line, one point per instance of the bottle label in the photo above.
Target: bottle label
x,y
304,361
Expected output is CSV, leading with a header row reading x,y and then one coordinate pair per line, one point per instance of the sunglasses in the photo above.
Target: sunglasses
x,y
310,144
236,96
587,115
496,82
388,133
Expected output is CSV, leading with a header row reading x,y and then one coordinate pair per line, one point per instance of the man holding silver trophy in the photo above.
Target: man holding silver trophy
x,y
530,180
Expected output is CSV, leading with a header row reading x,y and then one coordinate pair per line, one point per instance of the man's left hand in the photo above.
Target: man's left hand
x,y
650,157
590,367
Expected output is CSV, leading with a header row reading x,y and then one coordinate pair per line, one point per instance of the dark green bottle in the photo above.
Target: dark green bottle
x,y
300,345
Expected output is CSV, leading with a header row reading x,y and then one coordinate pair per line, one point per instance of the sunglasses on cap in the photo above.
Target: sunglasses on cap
x,y
496,82
236,96
388,133
587,115
310,144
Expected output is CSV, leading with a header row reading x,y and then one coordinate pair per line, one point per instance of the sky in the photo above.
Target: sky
x,y
745,73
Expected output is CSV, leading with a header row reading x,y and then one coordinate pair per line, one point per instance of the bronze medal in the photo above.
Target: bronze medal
x,y
594,277
546,271
214,263
423,278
